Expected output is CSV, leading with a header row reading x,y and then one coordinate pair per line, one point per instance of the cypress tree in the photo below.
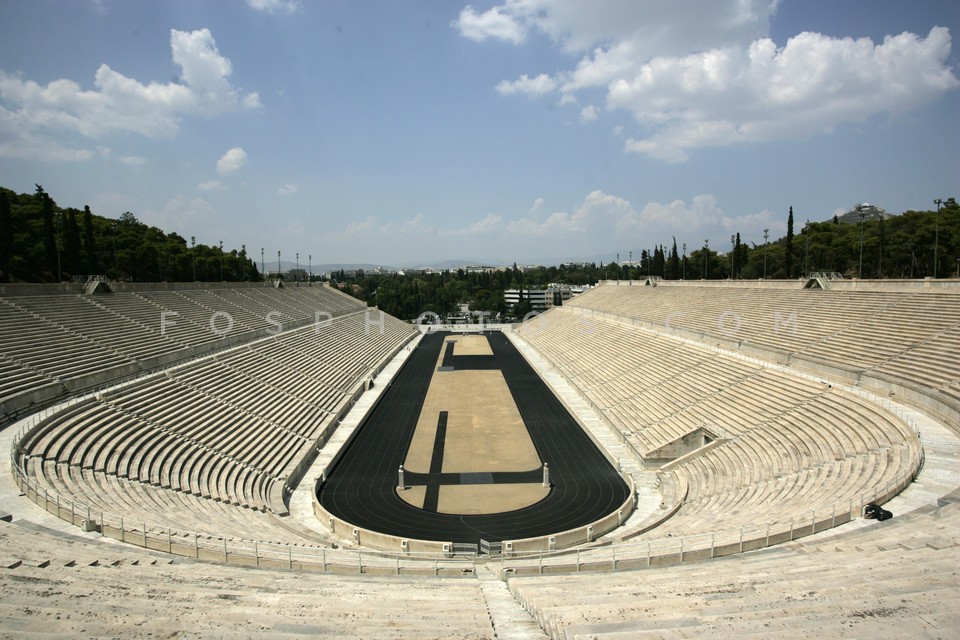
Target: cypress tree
x,y
89,243
674,261
788,259
72,263
49,235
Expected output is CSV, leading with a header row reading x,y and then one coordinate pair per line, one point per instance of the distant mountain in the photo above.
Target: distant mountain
x,y
870,212
442,265
351,266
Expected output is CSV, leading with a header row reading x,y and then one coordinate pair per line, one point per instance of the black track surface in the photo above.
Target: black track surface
x,y
361,488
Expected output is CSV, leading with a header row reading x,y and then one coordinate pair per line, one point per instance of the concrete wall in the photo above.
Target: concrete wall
x,y
948,285
580,535
375,539
735,284
64,288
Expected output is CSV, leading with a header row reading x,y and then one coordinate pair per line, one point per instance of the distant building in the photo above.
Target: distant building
x,y
296,275
554,295
540,299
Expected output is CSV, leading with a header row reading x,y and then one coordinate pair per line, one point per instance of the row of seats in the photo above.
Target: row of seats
x,y
225,429
896,579
892,332
58,587
789,445
56,338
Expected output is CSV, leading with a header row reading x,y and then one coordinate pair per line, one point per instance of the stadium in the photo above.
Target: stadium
x,y
651,459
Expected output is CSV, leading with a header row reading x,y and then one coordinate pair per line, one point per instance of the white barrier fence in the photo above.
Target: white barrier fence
x,y
299,557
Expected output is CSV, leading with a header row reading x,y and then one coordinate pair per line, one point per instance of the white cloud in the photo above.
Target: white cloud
x,y
183,215
534,87
702,215
269,6
677,216
698,74
132,161
287,190
657,27
29,110
488,225
495,23
210,185
231,161
810,86
601,223
599,212
112,204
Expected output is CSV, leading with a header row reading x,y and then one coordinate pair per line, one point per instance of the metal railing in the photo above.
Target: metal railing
x,y
613,556
303,557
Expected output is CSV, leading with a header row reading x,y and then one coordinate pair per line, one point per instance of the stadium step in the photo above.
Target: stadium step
x,y
509,619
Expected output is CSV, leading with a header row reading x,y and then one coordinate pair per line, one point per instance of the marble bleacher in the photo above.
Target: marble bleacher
x,y
65,586
221,433
80,341
906,335
788,440
895,578
790,445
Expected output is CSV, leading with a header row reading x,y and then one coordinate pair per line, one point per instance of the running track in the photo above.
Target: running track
x,y
361,488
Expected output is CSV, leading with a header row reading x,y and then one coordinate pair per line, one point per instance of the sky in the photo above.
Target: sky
x,y
409,132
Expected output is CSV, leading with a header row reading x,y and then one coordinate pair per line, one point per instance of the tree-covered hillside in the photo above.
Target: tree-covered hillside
x,y
42,242
896,247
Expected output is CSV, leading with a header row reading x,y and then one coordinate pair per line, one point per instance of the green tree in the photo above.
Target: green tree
x,y
49,234
71,260
90,260
6,237
674,268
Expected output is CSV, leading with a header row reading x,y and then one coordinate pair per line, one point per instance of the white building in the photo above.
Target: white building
x,y
540,299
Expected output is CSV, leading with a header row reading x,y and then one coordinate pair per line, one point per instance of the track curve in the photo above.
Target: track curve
x,y
361,487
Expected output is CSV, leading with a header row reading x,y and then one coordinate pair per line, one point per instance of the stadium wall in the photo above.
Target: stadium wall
x,y
853,284
67,288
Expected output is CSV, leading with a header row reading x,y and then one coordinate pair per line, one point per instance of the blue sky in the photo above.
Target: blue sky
x,y
409,132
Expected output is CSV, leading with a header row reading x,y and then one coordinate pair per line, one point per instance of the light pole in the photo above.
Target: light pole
x,y
278,265
221,261
860,268
310,270
296,277
684,260
766,234
243,263
263,271
193,254
706,250
936,237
